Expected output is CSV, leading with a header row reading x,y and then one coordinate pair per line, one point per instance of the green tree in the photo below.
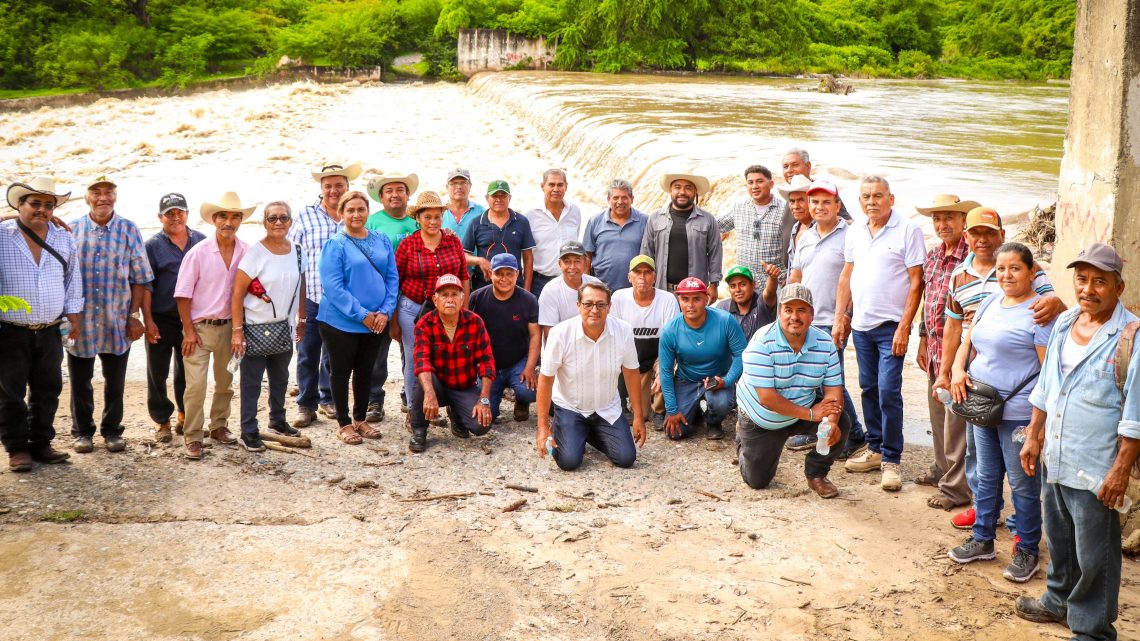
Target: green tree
x,y
85,58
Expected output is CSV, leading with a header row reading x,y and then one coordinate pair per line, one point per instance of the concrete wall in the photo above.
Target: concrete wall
x,y
1099,193
495,50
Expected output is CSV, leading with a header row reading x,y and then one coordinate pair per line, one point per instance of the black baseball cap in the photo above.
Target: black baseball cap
x,y
172,201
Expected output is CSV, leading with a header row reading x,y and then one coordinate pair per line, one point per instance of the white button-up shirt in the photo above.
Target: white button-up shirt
x,y
549,234
586,371
879,280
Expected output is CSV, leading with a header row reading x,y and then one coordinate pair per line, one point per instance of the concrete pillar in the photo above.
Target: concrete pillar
x,y
1099,194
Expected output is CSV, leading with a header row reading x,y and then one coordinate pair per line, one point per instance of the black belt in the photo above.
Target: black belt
x,y
213,321
34,327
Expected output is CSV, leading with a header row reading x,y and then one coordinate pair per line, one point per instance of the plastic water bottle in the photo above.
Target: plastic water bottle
x,y
65,329
1018,435
943,395
821,446
234,365
1093,485
550,464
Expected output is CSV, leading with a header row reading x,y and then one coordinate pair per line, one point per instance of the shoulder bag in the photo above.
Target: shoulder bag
x,y
266,339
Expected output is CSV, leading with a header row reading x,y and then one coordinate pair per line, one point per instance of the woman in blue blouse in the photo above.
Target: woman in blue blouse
x,y
358,270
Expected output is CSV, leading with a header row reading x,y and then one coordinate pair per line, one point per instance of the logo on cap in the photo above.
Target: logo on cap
x,y
448,280
691,285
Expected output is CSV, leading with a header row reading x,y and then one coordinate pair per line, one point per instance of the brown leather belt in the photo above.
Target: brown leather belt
x,y
214,321
36,327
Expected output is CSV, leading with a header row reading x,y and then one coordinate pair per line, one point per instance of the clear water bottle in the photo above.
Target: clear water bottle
x,y
1094,485
944,396
64,330
234,365
550,464
1018,435
821,436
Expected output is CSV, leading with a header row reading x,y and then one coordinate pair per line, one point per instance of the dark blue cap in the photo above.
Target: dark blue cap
x,y
499,261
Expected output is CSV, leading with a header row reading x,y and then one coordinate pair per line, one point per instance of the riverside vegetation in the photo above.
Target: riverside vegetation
x,y
52,45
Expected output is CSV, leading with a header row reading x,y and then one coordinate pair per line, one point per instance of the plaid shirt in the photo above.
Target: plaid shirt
x,y
51,291
419,267
936,272
312,231
112,258
458,363
760,235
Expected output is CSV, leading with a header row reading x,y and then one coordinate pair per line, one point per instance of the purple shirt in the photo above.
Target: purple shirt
x,y
205,280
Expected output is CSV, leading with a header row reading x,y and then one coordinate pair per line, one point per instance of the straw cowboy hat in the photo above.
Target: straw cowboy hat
x,y
701,182
426,200
43,185
228,202
799,182
411,181
334,168
948,202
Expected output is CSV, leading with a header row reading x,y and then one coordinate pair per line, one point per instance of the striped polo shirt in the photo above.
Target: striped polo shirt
x,y
771,363
968,289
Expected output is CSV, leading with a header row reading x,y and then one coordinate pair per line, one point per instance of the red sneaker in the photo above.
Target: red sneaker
x,y
964,520
1013,548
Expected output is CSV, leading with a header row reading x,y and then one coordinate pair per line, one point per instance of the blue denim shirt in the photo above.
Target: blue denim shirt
x,y
1086,412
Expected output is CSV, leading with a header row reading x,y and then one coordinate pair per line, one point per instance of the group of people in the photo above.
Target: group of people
x,y
607,330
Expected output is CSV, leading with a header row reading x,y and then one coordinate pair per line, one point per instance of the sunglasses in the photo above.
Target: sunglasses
x,y
274,220
41,204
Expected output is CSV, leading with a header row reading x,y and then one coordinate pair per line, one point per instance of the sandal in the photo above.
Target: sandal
x,y
927,479
364,429
942,502
348,434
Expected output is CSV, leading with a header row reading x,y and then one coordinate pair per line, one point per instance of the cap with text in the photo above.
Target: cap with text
x,y
448,280
691,285
172,201
739,270
824,185
571,248
983,217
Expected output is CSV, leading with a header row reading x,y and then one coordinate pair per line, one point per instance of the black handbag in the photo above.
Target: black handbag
x,y
266,339
984,404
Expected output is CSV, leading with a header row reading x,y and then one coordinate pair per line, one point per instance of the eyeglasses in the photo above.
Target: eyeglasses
x,y
274,220
598,306
41,204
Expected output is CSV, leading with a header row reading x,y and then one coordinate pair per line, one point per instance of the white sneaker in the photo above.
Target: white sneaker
x,y
892,480
867,461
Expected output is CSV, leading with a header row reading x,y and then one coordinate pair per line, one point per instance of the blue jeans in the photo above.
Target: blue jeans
x,y
718,404
572,431
253,368
509,377
971,460
1083,581
312,379
406,311
857,436
880,376
998,457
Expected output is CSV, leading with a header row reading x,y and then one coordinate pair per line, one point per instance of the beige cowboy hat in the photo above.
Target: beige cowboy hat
x,y
228,202
948,202
43,185
799,183
701,182
411,181
426,200
335,168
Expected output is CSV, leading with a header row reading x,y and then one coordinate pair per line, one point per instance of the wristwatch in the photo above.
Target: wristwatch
x,y
485,401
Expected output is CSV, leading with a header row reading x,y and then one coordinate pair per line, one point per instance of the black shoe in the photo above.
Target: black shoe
x,y
852,450
114,443
284,429
714,432
418,442
251,443
1031,609
375,413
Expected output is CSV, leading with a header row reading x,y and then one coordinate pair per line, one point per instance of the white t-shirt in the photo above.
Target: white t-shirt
x,y
558,302
879,280
279,277
646,321
1071,354
586,372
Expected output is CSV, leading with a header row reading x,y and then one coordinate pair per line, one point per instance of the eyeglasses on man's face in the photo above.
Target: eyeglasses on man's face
x,y
599,305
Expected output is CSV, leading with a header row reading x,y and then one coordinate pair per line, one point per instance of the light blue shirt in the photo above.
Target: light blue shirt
x,y
359,277
474,210
1006,340
612,247
48,289
713,349
771,363
1086,411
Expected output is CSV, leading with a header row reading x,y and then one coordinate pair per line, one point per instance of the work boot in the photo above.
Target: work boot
x,y
1032,609
305,417
48,454
194,450
418,442
180,423
222,435
891,480
114,443
20,462
375,413
823,487
83,445
868,461
327,410
162,433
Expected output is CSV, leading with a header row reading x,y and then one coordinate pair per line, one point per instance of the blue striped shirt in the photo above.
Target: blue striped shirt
x,y
44,285
771,363
312,231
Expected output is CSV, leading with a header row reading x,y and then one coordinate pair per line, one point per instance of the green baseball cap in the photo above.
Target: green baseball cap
x,y
498,185
739,270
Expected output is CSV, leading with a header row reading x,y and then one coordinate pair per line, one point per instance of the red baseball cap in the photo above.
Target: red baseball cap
x,y
691,285
448,280
824,185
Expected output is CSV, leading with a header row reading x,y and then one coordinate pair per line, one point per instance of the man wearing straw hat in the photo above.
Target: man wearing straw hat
x,y
112,258
204,293
682,238
763,224
38,263
313,228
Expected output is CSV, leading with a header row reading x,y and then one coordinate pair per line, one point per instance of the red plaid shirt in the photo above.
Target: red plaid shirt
x,y
936,272
458,363
419,267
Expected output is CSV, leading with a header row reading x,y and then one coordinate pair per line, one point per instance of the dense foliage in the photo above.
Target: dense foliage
x,y
113,43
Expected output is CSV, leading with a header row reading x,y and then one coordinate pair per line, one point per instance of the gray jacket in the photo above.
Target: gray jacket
x,y
706,255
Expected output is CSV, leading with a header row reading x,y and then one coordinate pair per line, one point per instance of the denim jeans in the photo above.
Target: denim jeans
x,y
509,377
253,368
461,402
971,460
312,364
82,371
998,457
158,358
380,367
1083,580
858,436
406,312
880,377
689,394
572,431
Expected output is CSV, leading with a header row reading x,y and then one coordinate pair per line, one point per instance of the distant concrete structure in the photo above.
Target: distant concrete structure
x,y
495,50
1099,194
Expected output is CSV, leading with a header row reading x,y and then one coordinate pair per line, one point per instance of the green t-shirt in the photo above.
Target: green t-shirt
x,y
395,229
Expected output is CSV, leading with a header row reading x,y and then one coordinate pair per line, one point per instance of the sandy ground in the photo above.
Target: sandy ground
x,y
146,545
